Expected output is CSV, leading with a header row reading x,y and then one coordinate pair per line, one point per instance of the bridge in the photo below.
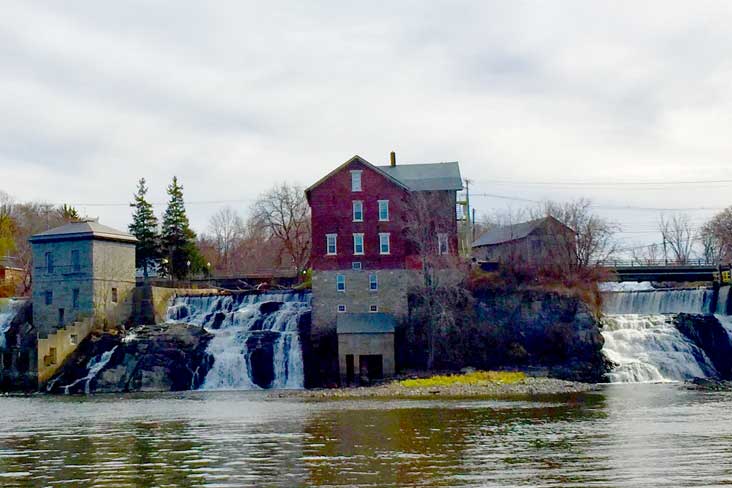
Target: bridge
x,y
662,271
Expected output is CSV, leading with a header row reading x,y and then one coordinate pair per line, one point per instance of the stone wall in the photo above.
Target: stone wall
x,y
54,349
151,302
366,344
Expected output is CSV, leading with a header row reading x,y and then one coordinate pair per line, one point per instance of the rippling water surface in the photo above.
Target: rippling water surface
x,y
626,435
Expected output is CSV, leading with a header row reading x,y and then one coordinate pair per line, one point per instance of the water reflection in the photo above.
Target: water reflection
x,y
645,435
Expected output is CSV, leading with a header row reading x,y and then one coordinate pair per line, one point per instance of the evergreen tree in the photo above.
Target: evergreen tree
x,y
144,227
180,254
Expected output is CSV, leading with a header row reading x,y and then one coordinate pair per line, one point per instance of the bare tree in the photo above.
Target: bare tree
x,y
716,237
227,230
284,214
440,269
594,242
678,236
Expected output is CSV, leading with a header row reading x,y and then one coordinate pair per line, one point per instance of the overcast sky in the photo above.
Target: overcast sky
x,y
235,98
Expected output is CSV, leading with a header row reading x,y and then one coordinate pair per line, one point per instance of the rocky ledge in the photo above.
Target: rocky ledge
x,y
531,386
164,357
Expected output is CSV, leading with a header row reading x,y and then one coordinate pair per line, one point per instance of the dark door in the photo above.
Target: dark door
x,y
350,373
371,367
60,316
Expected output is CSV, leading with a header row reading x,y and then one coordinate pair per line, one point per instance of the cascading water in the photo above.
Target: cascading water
x,y
95,365
642,341
8,311
256,341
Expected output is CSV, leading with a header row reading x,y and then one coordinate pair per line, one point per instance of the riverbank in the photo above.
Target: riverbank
x,y
528,386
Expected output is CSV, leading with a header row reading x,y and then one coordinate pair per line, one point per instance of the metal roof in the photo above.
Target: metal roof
x,y
365,323
83,230
508,233
427,177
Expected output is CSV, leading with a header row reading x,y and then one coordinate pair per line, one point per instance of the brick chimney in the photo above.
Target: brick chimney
x,y
393,159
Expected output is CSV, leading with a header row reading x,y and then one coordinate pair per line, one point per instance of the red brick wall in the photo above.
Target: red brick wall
x,y
332,213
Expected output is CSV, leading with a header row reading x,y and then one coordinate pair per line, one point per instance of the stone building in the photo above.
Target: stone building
x,y
365,346
83,276
530,244
362,257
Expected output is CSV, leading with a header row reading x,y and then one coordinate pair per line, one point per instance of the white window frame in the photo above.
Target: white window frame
x,y
373,280
357,203
341,308
383,235
356,266
443,239
356,180
327,244
340,280
363,245
373,308
385,204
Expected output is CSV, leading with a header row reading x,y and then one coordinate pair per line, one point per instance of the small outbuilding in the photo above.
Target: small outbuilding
x,y
533,243
365,346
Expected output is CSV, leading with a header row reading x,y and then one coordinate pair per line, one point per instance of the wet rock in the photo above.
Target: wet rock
x,y
270,307
706,332
164,357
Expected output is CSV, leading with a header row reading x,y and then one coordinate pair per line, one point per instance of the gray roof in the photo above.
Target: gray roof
x,y
427,177
83,230
508,233
365,323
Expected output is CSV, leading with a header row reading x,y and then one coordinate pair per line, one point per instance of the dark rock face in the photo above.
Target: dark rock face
x,y
17,371
165,357
524,329
706,332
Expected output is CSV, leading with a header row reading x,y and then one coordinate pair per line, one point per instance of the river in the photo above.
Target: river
x,y
624,435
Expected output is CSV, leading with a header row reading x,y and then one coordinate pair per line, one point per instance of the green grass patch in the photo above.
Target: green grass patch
x,y
477,378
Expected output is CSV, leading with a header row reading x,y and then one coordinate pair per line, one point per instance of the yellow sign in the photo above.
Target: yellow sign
x,y
725,277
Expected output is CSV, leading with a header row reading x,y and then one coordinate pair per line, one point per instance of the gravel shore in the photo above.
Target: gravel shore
x,y
531,386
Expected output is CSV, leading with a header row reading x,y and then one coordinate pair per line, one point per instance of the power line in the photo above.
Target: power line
x,y
608,183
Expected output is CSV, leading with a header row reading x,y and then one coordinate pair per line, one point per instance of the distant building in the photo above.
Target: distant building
x,y
11,274
362,259
533,243
83,276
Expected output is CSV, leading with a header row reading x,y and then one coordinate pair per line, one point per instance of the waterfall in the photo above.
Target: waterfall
x,y
642,341
698,300
722,300
256,341
95,365
649,348
8,311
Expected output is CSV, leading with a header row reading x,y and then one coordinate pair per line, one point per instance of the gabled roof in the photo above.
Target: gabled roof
x,y
508,233
412,177
83,230
427,177
353,159
365,323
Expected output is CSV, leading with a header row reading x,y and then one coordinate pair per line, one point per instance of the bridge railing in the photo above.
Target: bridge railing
x,y
629,263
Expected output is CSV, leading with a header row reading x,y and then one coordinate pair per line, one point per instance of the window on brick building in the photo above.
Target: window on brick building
x,y
356,180
341,308
383,210
356,266
331,244
373,282
358,244
340,282
442,244
384,245
357,211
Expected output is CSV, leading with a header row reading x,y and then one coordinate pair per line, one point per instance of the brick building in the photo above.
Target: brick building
x,y
83,276
363,257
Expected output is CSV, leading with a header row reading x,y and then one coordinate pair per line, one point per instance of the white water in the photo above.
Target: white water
x,y
7,314
642,340
722,300
658,301
95,365
649,348
238,323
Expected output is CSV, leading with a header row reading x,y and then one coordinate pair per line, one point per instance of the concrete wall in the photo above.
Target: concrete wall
x,y
365,344
54,349
151,302
391,296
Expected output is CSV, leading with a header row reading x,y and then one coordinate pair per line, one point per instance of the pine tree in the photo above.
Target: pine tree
x,y
144,227
181,256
